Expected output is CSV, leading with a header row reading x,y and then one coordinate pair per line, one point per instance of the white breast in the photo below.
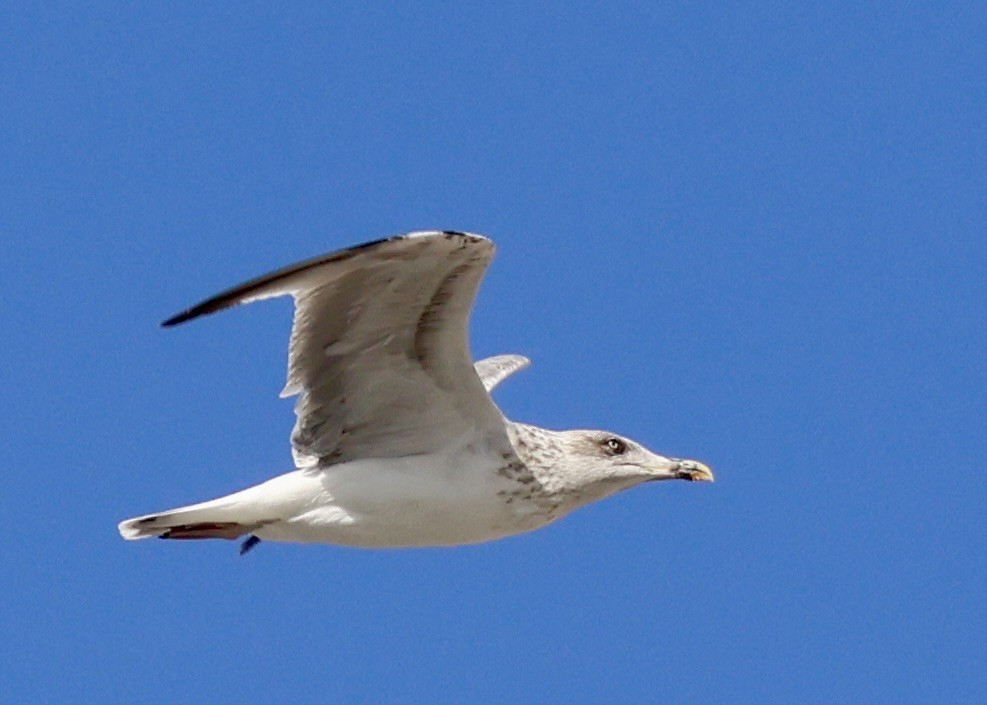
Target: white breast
x,y
425,500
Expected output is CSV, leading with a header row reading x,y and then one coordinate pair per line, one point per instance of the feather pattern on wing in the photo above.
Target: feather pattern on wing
x,y
379,353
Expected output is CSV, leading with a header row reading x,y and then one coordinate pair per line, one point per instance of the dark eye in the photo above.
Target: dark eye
x,y
615,445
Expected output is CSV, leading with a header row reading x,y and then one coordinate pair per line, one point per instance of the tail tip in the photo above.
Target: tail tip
x,y
139,528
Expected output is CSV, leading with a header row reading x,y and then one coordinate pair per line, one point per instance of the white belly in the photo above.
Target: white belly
x,y
417,501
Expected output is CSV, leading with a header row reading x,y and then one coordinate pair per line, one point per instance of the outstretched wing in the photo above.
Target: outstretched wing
x,y
379,352
494,370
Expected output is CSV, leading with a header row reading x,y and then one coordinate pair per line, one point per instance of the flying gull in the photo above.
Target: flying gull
x,y
397,442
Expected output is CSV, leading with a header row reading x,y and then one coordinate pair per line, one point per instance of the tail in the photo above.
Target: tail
x,y
208,520
228,517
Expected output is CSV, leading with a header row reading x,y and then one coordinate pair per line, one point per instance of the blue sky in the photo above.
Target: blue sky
x,y
752,235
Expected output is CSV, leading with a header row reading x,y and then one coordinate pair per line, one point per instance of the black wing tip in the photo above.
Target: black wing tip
x,y
188,314
232,297
177,319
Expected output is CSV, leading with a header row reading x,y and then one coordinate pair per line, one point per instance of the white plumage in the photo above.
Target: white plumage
x,y
397,441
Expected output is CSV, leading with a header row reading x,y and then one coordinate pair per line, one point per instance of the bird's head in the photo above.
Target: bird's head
x,y
603,463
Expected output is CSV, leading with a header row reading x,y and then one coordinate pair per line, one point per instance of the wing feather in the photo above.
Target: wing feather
x,y
494,370
379,352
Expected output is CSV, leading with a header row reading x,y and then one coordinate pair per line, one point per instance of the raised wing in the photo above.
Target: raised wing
x,y
494,370
378,351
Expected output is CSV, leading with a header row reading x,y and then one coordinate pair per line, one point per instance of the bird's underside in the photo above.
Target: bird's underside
x,y
397,441
466,495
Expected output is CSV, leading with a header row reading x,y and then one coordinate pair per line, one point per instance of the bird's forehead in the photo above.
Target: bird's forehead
x,y
591,442
598,435
588,441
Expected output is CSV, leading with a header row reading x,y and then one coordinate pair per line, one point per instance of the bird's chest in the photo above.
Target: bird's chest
x,y
440,500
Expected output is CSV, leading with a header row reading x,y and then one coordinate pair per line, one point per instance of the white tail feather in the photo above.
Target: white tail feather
x,y
150,525
269,501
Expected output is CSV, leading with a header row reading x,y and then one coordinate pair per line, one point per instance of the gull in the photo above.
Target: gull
x,y
397,442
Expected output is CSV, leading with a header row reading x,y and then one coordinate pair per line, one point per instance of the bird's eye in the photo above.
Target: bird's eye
x,y
615,445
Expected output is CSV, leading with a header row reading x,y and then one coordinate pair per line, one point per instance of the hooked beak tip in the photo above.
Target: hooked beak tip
x,y
694,471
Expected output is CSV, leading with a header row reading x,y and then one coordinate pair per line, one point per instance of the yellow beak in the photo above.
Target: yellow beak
x,y
695,471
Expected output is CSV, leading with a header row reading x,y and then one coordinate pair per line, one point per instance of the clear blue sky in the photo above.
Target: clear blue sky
x,y
753,235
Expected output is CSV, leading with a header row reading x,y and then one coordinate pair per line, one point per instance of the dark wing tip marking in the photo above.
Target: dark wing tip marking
x,y
187,315
234,296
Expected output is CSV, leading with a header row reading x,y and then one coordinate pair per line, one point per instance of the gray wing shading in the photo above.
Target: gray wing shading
x,y
494,370
379,352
